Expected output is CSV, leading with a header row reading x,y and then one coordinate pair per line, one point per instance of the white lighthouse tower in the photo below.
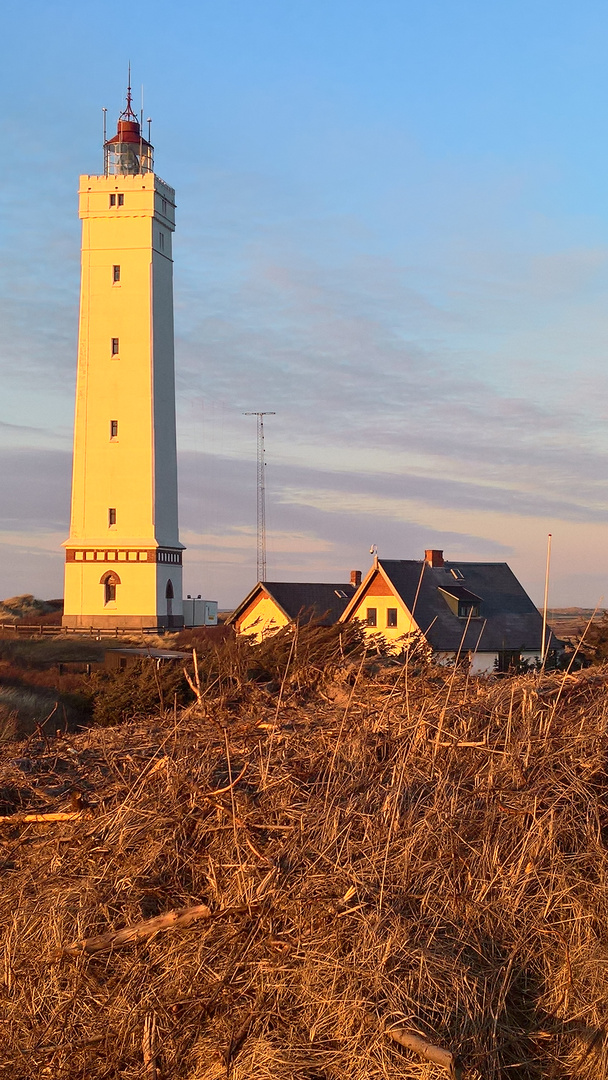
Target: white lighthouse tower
x,y
123,555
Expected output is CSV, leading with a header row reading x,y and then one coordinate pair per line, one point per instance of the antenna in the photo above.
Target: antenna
x,y
105,135
546,638
127,113
261,495
148,122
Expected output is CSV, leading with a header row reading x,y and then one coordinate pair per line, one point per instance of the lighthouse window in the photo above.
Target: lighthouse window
x,y
113,429
161,241
115,345
112,515
109,582
121,200
116,273
112,200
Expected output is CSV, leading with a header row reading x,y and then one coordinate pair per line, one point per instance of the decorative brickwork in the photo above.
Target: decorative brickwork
x,y
111,555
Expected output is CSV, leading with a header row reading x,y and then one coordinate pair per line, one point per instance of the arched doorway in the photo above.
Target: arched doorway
x,y
169,596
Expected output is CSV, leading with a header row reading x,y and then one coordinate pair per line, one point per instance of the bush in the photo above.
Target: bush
x,y
202,637
143,689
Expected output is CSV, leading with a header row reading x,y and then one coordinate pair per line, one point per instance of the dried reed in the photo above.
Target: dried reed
x,y
433,858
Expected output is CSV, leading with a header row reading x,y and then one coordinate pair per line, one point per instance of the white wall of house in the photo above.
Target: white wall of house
x,y
482,663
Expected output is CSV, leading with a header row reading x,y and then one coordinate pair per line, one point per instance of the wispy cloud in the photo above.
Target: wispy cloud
x,y
434,355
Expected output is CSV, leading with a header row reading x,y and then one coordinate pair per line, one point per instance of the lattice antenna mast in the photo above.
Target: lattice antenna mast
x,y
261,495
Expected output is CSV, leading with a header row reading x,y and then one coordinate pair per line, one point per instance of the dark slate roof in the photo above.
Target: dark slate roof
x,y
459,592
322,601
511,619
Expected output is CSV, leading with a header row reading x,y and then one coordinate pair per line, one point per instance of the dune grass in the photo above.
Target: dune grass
x,y
376,843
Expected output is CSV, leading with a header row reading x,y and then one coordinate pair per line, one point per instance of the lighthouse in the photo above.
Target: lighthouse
x,y
123,557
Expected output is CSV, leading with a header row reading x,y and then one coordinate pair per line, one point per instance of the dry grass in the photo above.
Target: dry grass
x,y
38,652
33,688
390,852
26,606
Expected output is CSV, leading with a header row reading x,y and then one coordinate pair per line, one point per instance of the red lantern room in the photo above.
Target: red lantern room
x,y
128,153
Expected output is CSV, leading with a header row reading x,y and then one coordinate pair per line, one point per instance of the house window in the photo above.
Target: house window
x,y
113,429
391,616
112,200
372,616
112,515
121,200
467,609
115,346
116,273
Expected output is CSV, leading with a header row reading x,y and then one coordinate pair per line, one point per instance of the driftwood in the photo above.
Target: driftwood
x,y
141,931
58,815
422,1046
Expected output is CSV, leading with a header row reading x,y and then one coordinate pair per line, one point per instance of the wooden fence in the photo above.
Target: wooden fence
x,y
90,631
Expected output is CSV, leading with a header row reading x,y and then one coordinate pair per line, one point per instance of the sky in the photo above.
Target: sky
x,y
392,232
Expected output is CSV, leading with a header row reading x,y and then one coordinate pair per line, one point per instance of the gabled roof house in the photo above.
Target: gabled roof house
x,y
477,609
274,604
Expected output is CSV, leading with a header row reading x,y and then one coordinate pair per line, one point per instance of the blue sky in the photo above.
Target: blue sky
x,y
392,230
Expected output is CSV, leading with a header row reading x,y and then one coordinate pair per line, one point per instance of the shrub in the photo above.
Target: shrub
x,y
202,637
143,689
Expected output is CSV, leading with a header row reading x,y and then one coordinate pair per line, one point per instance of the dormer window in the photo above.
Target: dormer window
x,y
468,609
462,602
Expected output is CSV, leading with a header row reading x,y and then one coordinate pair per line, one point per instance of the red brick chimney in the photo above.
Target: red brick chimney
x,y
433,558
355,578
